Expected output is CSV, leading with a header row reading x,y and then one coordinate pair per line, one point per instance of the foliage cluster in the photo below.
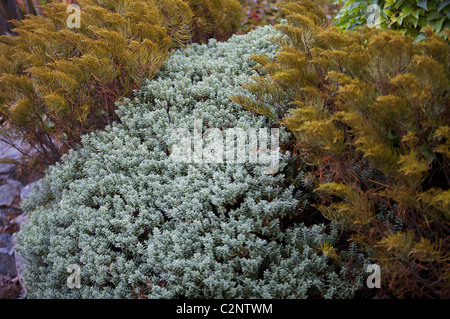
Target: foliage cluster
x,y
141,225
408,16
217,19
267,12
370,112
58,82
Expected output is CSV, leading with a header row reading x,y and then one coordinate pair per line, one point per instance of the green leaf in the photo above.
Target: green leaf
x,y
343,21
443,5
355,10
420,37
399,3
389,3
403,31
439,25
388,12
393,20
433,16
432,24
422,4
416,14
422,21
406,11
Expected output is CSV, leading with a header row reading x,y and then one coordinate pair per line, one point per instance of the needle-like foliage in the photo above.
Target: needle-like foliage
x,y
139,224
59,81
370,112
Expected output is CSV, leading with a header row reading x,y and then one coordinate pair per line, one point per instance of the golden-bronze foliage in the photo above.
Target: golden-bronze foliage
x,y
215,19
57,82
370,112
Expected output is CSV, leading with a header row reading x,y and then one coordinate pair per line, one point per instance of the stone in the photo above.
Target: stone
x,y
8,151
7,194
14,183
3,217
6,215
7,260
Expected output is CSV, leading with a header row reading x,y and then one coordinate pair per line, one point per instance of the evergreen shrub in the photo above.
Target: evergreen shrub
x,y
370,112
140,225
59,82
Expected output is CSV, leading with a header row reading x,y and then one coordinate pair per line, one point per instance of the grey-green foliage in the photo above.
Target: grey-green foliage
x,y
136,222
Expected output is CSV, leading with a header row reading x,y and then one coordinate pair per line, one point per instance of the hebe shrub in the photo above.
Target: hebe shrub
x,y
141,225
369,110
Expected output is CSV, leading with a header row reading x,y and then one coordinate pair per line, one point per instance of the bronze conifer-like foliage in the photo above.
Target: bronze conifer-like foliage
x,y
215,19
59,82
370,112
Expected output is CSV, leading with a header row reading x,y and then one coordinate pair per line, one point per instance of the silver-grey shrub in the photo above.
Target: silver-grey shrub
x,y
138,223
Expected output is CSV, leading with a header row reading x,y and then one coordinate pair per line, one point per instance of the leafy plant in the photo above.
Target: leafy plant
x,y
408,16
370,112
140,224
59,82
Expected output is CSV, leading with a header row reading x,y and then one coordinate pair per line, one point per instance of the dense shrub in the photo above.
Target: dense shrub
x,y
58,83
409,17
139,224
370,111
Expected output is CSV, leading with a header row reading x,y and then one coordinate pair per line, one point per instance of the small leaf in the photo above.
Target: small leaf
x,y
439,25
388,12
432,24
422,4
433,16
403,31
443,5
406,11
389,2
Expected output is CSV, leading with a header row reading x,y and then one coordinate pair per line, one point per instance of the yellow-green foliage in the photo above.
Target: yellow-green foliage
x,y
370,112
